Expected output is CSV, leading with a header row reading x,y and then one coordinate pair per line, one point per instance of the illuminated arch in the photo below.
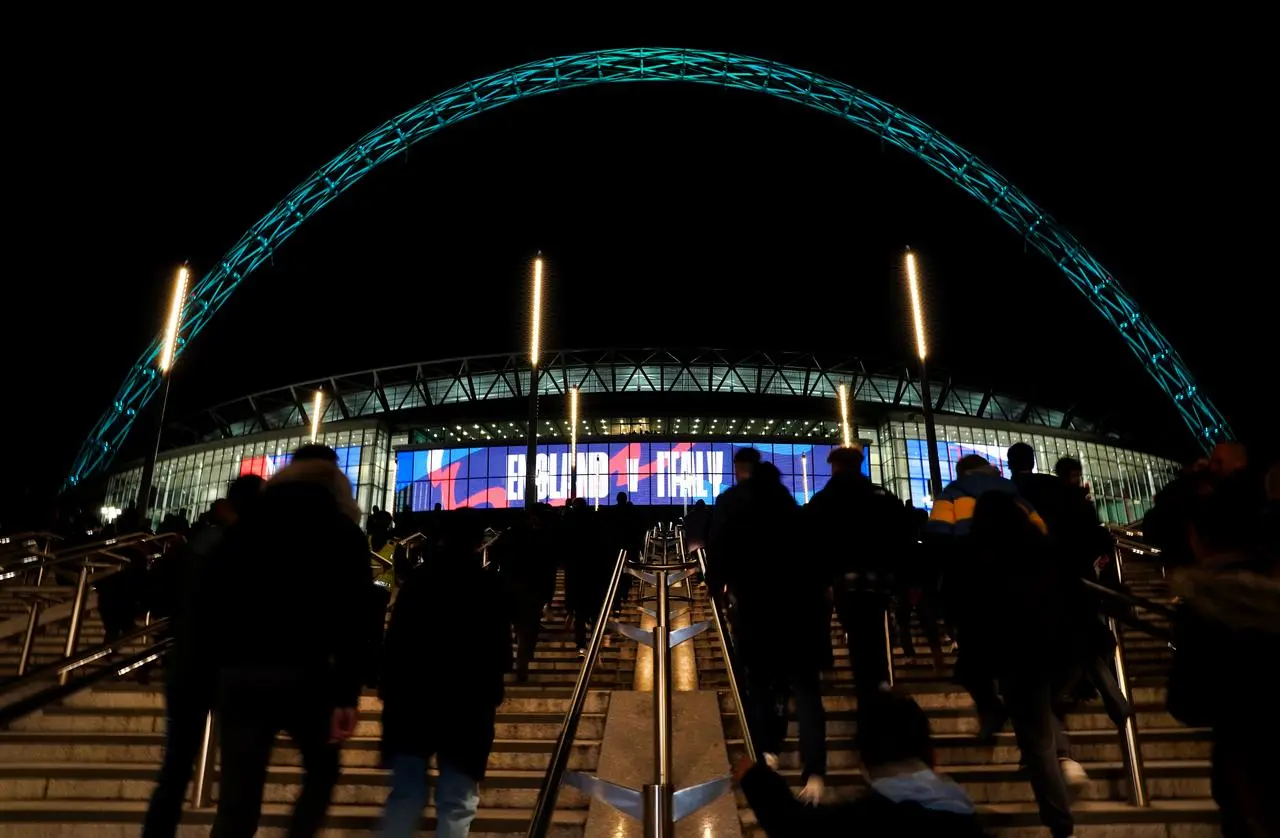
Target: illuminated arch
x,y
887,122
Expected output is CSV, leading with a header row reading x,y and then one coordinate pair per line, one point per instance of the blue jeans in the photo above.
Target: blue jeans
x,y
457,797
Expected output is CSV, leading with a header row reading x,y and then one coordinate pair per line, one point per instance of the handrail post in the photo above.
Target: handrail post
x,y
202,787
659,818
33,623
1129,729
544,809
77,620
888,646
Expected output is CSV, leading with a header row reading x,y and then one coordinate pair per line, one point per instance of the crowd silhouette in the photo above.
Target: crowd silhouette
x,y
278,603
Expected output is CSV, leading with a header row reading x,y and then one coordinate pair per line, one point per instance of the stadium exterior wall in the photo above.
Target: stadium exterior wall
x,y
399,461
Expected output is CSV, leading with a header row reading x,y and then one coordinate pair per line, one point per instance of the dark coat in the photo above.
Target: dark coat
x,y
1071,518
447,649
587,563
781,815
858,529
291,585
781,613
527,567
1014,576
183,578
1227,638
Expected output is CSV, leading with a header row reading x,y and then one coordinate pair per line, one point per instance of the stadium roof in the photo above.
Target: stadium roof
x,y
423,387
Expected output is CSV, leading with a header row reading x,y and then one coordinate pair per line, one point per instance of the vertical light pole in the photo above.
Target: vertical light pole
x,y
535,341
168,351
922,352
846,432
573,442
317,408
804,475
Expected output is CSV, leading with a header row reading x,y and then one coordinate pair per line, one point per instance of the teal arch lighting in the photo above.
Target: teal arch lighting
x,y
892,125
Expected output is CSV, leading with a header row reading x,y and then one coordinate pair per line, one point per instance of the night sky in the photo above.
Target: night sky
x,y
672,215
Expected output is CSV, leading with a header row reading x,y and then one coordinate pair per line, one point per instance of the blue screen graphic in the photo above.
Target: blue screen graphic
x,y
673,473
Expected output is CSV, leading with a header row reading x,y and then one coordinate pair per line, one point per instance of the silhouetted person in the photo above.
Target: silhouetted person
x,y
727,518
191,665
947,538
1025,620
586,568
916,589
859,530
1226,635
626,532
290,662
527,565
697,526
448,647
175,522
782,632
905,795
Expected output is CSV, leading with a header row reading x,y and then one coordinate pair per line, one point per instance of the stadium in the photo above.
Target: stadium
x,y
659,424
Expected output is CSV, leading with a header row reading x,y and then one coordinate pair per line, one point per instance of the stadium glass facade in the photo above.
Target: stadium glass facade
x,y
660,424
1123,482
191,479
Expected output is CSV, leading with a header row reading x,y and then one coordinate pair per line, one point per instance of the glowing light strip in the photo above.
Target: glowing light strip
x,y
846,433
317,407
573,439
917,309
804,473
535,335
174,320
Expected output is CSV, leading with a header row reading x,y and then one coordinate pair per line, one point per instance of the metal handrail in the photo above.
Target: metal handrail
x,y
1135,601
79,659
730,658
85,557
1131,748
549,792
84,551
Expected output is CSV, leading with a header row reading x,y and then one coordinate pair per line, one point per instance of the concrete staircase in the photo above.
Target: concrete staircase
x,y
1176,757
86,766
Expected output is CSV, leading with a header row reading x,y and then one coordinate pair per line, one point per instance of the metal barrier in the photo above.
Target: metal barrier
x,y
657,805
1131,748
730,659
550,789
91,563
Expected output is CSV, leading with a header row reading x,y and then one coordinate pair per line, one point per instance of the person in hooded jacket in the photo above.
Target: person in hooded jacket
x,y
947,540
782,632
447,650
1226,636
1026,621
907,797
290,662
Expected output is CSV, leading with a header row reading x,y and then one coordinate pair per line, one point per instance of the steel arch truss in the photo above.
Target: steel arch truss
x,y
891,125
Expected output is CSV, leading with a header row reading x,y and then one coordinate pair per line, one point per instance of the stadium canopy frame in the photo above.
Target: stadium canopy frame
x,y
892,125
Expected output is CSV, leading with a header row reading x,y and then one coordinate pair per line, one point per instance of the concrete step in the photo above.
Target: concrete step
x,y
1193,818
360,752
504,788
120,819
964,748
1007,782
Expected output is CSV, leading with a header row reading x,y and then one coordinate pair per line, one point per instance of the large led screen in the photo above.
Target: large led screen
x,y
266,466
673,473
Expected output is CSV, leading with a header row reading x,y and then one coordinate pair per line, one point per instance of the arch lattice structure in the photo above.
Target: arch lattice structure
x,y
887,122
